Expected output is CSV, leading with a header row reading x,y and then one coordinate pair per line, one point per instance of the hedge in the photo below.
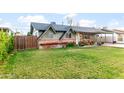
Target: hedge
x,y
6,45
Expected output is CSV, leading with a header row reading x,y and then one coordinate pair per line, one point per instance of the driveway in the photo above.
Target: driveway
x,y
113,45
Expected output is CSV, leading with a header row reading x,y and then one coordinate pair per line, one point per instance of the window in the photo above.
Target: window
x,y
50,35
68,35
120,37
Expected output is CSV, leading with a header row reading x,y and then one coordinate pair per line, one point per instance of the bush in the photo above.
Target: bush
x,y
6,45
70,45
10,44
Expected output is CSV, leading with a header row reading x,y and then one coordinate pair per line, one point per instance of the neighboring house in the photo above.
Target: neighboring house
x,y
118,36
107,37
113,36
18,34
54,35
7,30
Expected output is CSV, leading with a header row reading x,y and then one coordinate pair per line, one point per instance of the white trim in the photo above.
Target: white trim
x,y
77,38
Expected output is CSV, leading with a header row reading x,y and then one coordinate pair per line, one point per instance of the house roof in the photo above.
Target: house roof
x,y
113,31
118,31
39,26
107,31
87,29
44,26
57,27
6,28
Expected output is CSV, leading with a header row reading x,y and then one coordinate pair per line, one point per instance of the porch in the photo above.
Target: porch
x,y
98,36
87,38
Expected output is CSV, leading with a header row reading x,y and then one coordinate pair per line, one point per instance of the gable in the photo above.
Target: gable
x,y
49,34
50,28
69,32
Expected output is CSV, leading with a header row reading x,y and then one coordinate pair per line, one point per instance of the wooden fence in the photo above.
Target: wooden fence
x,y
25,42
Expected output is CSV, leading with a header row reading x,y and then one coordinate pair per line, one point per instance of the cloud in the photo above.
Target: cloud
x,y
29,19
24,22
7,24
4,23
87,23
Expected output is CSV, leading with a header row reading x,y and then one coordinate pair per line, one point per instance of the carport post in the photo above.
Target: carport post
x,y
112,37
105,37
100,37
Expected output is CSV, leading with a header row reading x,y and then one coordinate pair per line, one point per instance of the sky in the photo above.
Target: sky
x,y
21,21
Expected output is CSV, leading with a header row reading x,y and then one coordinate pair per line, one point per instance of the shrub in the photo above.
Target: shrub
x,y
70,45
6,45
10,44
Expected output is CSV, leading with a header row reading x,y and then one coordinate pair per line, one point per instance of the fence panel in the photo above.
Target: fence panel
x,y
25,42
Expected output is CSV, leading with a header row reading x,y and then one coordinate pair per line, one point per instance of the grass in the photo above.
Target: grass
x,y
69,63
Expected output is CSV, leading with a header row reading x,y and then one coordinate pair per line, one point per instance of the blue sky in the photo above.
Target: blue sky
x,y
21,21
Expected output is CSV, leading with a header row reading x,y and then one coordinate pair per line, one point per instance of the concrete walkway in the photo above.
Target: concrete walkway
x,y
114,45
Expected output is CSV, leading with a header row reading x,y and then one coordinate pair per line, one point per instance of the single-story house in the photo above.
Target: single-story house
x,y
56,35
7,30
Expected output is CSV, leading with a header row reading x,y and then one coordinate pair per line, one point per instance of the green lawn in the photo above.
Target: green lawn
x,y
97,62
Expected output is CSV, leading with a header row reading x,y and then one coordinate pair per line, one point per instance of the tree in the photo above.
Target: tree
x,y
69,20
29,34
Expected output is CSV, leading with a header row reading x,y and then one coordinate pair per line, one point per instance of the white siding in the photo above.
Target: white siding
x,y
39,33
35,33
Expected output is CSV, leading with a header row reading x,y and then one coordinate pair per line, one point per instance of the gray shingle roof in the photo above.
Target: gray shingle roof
x,y
108,31
44,26
60,27
40,26
84,29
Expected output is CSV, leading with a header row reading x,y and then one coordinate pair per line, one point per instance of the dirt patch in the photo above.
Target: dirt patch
x,y
1,62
